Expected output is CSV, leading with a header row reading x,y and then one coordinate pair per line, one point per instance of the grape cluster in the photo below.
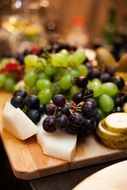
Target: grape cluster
x,y
79,116
29,104
53,74
10,72
108,75
106,89
12,64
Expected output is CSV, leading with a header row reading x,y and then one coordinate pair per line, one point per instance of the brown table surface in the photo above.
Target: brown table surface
x,y
62,181
66,180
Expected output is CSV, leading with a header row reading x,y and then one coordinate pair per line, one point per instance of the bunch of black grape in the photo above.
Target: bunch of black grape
x,y
77,117
29,104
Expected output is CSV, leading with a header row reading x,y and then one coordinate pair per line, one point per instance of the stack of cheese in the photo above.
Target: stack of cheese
x,y
113,130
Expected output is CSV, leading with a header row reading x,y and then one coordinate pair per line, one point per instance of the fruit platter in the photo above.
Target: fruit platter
x,y
65,110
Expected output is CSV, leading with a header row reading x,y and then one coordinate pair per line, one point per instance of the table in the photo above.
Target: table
x,y
62,181
66,180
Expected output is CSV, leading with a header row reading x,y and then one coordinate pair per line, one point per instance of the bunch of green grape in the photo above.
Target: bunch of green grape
x,y
7,82
46,76
104,93
55,73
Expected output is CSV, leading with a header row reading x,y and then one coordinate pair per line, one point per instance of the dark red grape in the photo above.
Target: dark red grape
x,y
119,81
78,97
26,52
19,58
61,121
93,73
49,124
17,102
76,120
81,82
87,93
32,102
92,101
72,130
119,101
34,115
105,77
97,116
65,110
90,125
110,70
41,108
50,109
88,109
21,93
59,100
88,65
118,109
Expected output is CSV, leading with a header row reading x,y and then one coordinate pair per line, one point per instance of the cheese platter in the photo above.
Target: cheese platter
x,y
28,161
63,113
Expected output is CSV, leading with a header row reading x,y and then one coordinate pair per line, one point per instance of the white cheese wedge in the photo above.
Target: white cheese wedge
x,y
59,144
17,123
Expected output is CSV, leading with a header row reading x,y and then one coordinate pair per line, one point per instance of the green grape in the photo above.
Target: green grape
x,y
77,58
32,62
96,81
65,82
95,85
50,70
90,85
59,60
30,78
31,59
106,103
10,84
109,88
43,75
72,72
45,96
55,88
83,71
43,83
97,91
74,90
59,73
2,80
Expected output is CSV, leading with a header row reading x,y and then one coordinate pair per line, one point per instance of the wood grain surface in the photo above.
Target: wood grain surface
x,y
28,161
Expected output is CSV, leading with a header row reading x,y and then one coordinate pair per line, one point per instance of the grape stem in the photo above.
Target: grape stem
x,y
75,107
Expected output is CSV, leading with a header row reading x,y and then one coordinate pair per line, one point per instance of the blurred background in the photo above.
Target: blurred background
x,y
86,23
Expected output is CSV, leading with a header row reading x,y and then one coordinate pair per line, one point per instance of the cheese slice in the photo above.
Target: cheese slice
x,y
59,144
17,123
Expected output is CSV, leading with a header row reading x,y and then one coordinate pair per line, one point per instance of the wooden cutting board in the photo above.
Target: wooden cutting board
x,y
113,177
28,161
